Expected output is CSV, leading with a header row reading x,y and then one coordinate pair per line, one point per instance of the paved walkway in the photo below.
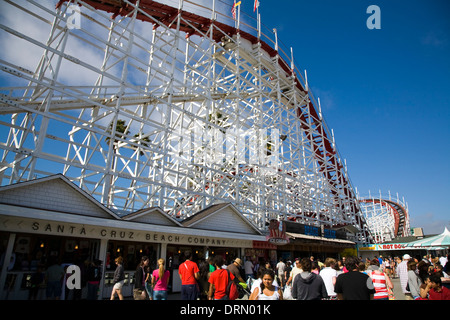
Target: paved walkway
x,y
398,293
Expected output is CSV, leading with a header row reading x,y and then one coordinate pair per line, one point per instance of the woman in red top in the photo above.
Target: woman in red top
x,y
435,290
218,281
380,280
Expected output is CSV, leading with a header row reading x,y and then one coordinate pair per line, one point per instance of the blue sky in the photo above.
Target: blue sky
x,y
385,93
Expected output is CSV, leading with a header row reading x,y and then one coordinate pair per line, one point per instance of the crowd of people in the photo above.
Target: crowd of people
x,y
424,279
148,284
352,278
309,279
52,279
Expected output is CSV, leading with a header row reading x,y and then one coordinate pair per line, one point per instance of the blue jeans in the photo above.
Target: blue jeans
x,y
92,291
159,295
149,289
189,292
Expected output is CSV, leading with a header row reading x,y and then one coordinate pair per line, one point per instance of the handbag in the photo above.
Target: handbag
x,y
139,294
232,291
287,293
390,294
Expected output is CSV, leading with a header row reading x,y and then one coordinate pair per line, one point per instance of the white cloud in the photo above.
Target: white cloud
x,y
430,223
327,98
27,55
434,39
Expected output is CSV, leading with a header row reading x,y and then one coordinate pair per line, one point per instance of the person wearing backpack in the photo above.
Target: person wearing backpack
x,y
219,281
234,268
94,275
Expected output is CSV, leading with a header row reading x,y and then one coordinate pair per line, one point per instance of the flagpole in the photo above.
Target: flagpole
x,y
259,26
239,16
276,39
258,21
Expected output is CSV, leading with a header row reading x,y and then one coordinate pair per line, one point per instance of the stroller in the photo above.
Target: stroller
x,y
243,289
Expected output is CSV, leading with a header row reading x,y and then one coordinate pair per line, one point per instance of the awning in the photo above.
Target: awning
x,y
439,240
316,238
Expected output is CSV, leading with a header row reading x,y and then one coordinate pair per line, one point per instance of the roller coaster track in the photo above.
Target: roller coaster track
x,y
386,209
193,24
284,84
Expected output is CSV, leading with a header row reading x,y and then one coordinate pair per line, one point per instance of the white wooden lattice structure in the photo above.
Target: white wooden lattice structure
x,y
387,217
157,106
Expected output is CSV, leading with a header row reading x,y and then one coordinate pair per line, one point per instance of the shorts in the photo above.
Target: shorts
x,y
118,285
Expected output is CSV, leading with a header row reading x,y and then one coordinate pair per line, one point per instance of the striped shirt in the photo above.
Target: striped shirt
x,y
379,282
402,271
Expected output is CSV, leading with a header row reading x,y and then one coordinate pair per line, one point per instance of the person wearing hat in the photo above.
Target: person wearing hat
x,y
402,271
234,269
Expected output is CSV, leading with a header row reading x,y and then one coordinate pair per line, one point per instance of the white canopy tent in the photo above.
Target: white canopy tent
x,y
440,240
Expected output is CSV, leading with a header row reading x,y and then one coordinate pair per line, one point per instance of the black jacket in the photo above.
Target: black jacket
x,y
119,274
308,286
139,278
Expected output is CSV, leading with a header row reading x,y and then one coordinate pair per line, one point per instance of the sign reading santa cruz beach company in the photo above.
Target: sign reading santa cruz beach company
x,y
110,233
277,233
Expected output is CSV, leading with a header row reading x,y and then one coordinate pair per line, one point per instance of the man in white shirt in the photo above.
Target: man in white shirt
x,y
281,266
443,260
248,267
402,271
329,275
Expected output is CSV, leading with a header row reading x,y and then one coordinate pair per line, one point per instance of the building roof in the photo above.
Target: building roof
x,y
223,217
409,239
55,191
153,215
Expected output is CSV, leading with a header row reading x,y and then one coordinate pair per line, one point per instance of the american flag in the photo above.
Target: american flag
x,y
256,5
